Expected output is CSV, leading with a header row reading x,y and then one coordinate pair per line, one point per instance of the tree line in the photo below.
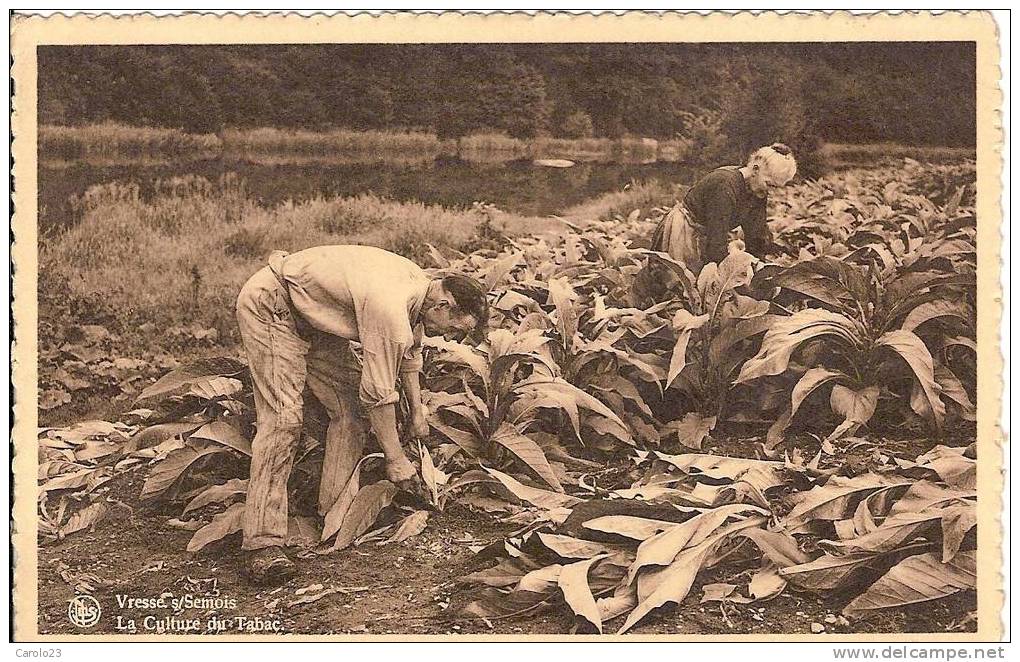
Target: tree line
x,y
738,94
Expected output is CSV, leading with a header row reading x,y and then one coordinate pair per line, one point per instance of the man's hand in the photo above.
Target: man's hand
x,y
405,476
419,428
400,470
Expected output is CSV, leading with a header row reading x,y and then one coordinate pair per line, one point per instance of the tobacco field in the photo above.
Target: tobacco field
x,y
779,445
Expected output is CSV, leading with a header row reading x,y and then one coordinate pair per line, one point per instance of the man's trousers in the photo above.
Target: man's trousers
x,y
283,361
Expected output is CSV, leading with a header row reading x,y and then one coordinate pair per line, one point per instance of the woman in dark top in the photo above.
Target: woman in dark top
x,y
696,231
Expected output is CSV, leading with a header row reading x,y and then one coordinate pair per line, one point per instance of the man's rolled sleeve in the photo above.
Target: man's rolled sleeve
x,y
382,358
413,361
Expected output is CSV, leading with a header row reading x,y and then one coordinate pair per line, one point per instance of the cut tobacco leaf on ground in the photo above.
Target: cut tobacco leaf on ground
x,y
573,581
917,579
573,548
410,526
168,471
224,433
185,525
87,517
222,525
218,494
366,506
533,495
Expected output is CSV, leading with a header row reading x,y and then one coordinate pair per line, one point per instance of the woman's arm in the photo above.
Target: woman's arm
x,y
717,220
757,237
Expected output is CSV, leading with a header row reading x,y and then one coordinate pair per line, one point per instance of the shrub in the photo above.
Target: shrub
x,y
578,125
704,140
247,243
771,106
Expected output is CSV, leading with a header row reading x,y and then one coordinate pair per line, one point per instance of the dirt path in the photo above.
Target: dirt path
x,y
400,588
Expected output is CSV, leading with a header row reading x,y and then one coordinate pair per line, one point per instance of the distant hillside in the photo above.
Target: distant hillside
x,y
912,93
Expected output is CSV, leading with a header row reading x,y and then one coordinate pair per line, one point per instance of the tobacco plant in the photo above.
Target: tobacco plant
x,y
861,336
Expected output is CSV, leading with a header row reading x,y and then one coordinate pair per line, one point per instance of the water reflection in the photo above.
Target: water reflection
x,y
516,186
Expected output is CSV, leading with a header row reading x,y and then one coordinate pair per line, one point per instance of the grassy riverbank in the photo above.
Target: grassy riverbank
x,y
183,254
179,258
852,156
111,143
121,144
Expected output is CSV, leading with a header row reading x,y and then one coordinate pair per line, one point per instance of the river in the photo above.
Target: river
x,y
514,186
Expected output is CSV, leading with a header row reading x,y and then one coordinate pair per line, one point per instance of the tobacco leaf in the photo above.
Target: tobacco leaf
x,y
573,581
533,495
222,525
86,517
224,433
168,471
916,579
217,494
366,506
410,526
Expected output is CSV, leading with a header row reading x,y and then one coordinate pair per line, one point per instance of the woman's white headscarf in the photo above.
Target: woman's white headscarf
x,y
777,160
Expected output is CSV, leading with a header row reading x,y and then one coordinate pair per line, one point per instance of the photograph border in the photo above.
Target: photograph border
x,y
29,32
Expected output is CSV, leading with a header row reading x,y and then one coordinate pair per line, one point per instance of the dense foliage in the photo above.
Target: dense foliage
x,y
602,351
916,93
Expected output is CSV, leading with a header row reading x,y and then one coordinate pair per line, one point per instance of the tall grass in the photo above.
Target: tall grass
x,y
864,155
677,149
643,196
337,144
598,149
384,145
485,147
117,143
182,255
490,146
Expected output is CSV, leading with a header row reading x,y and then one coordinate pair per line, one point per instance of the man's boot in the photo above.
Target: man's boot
x,y
269,565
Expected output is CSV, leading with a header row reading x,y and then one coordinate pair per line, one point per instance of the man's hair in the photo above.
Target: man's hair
x,y
470,297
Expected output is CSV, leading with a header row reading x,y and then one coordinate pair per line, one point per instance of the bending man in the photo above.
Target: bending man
x,y
696,231
296,317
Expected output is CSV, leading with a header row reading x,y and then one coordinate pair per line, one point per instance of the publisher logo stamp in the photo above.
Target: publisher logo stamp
x,y
84,611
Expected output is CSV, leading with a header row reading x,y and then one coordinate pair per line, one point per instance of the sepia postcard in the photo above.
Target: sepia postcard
x,y
645,326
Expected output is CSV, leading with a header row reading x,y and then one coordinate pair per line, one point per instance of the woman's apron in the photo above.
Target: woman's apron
x,y
683,238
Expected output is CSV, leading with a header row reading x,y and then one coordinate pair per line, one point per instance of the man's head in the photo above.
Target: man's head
x,y
770,167
455,308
